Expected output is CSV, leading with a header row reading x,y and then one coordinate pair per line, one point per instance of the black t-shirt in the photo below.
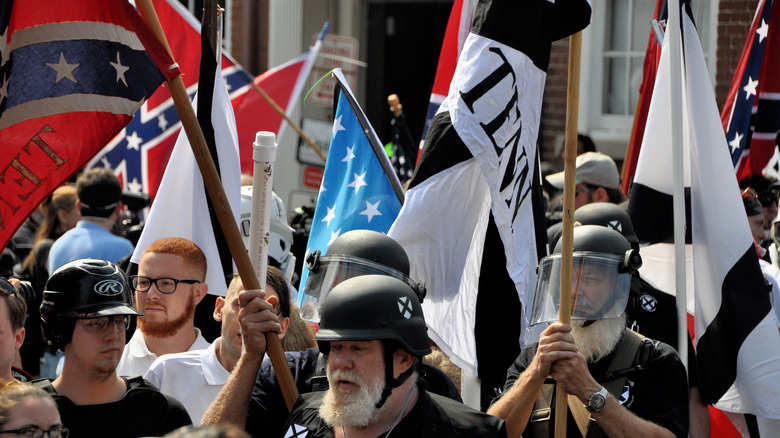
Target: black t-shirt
x,y
268,411
656,388
143,411
433,416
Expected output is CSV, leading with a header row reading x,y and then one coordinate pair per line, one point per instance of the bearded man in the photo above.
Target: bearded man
x,y
373,331
170,283
619,383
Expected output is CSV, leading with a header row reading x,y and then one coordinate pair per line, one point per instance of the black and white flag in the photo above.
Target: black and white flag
x,y
737,338
472,213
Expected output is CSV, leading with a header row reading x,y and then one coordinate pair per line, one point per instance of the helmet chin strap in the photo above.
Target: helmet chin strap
x,y
390,382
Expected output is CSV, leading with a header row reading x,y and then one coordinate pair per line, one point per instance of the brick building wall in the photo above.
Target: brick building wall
x,y
553,123
238,45
249,21
734,18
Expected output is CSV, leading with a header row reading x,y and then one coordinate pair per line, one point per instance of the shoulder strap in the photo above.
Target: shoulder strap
x,y
137,382
319,381
624,357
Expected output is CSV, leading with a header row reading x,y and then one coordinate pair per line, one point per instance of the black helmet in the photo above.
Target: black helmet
x,y
371,245
594,238
374,307
82,289
608,215
354,253
602,261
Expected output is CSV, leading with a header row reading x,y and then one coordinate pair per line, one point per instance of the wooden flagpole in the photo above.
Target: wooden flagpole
x,y
570,170
214,189
279,110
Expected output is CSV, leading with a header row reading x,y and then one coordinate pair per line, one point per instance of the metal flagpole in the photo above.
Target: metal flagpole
x,y
673,33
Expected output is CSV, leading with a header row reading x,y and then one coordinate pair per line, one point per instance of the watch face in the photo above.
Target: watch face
x,y
597,402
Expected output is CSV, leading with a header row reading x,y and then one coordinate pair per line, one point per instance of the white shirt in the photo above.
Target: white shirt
x,y
194,378
136,359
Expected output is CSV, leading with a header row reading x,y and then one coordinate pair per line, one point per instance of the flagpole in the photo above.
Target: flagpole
x,y
292,124
209,24
673,32
569,175
216,193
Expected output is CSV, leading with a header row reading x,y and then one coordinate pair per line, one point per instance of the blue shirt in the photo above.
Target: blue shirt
x,y
87,240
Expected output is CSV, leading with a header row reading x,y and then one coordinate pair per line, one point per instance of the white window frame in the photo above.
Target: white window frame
x,y
611,132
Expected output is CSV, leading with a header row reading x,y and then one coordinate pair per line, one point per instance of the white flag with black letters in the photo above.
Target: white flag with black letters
x,y
469,223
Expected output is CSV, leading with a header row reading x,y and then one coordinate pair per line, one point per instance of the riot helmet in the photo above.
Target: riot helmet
x,y
607,215
375,307
83,289
352,254
280,235
602,263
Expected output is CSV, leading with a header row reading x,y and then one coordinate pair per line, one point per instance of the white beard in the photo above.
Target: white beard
x,y
598,339
352,409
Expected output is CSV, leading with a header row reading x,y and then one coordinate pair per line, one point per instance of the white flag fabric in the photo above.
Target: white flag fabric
x,y
737,340
180,208
470,206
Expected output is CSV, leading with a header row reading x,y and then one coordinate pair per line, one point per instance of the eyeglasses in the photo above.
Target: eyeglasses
x,y
37,432
99,325
579,190
164,285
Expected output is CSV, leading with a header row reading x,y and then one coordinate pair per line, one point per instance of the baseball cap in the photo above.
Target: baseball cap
x,y
593,168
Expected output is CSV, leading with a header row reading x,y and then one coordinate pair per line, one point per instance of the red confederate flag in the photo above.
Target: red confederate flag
x,y
139,155
751,115
71,76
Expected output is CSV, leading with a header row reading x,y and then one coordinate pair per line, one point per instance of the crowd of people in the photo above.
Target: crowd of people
x,y
88,350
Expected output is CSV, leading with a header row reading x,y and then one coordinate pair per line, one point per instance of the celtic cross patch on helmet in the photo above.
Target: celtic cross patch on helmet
x,y
405,307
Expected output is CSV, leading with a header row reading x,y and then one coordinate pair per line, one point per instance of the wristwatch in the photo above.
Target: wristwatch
x,y
597,400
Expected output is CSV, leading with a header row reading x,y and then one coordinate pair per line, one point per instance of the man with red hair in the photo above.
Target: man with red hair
x,y
171,281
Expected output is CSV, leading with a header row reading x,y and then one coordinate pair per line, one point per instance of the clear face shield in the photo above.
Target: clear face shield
x,y
328,271
599,287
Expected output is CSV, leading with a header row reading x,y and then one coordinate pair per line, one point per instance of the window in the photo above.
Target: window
x,y
613,53
625,42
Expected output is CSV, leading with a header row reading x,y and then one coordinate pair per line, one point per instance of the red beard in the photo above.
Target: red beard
x,y
168,328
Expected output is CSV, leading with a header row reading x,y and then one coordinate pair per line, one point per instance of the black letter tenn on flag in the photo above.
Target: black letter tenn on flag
x,y
477,170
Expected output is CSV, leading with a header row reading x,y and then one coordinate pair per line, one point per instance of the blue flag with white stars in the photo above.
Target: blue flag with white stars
x,y
360,190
